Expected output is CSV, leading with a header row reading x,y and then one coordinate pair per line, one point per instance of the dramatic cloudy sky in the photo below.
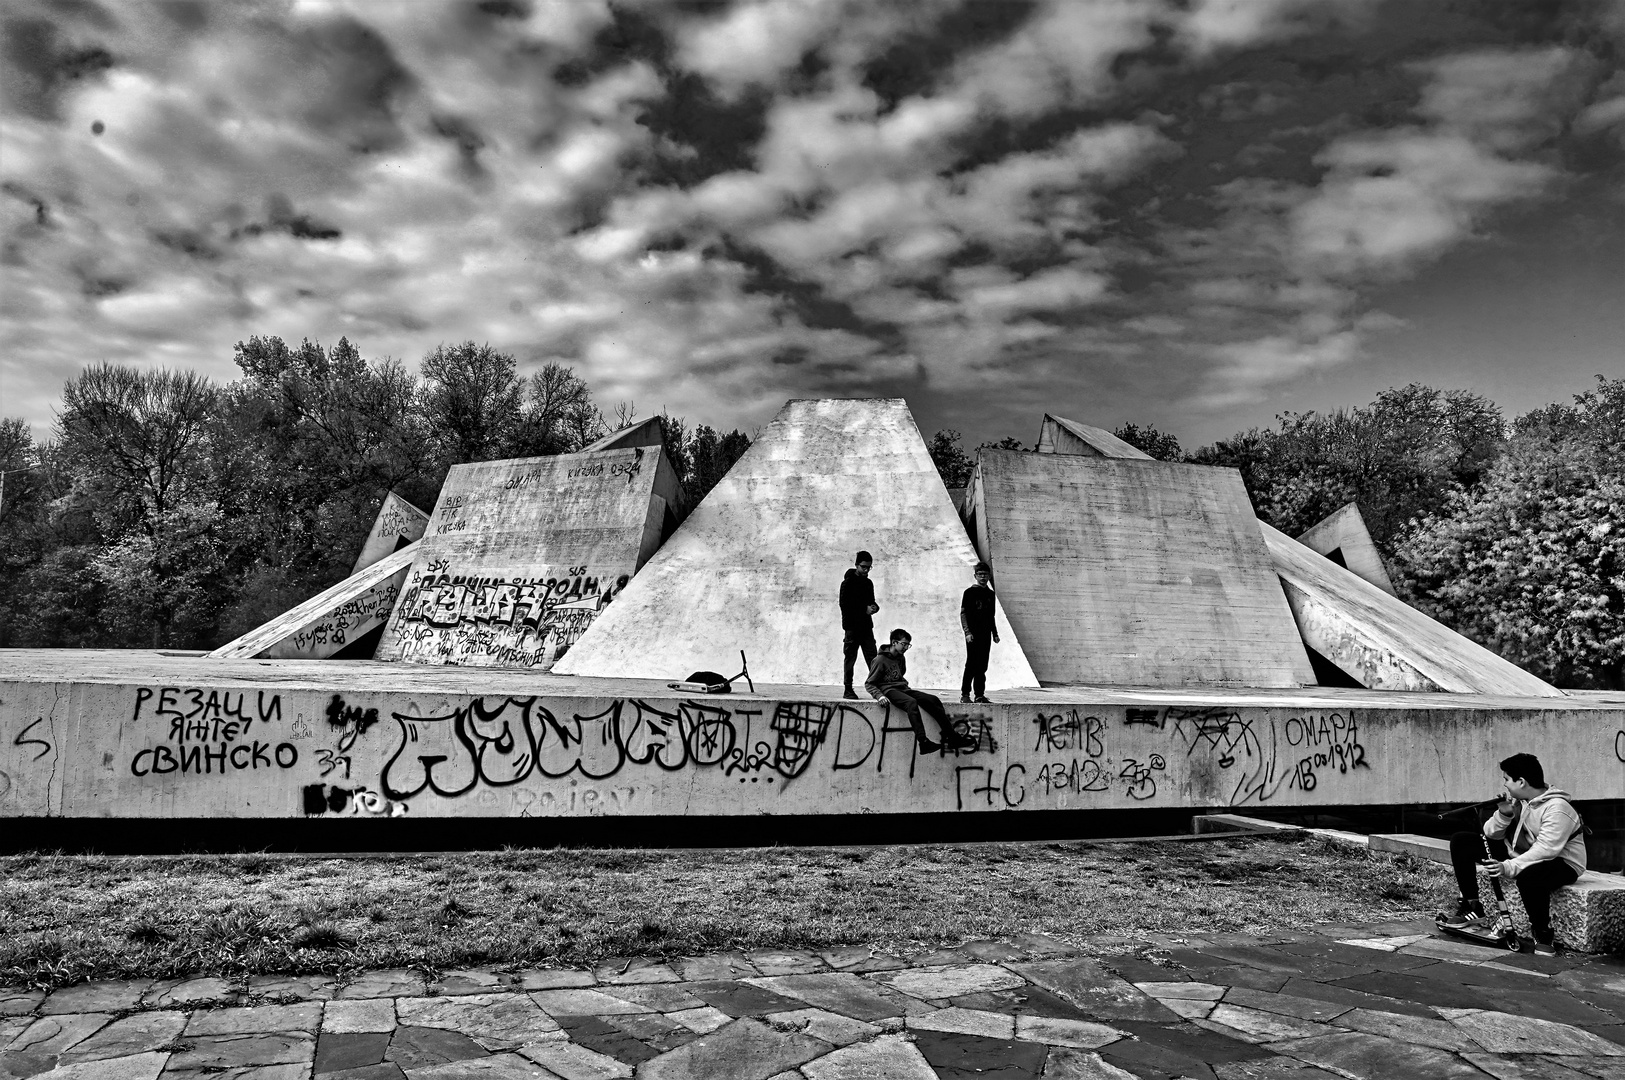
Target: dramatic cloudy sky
x,y
1194,213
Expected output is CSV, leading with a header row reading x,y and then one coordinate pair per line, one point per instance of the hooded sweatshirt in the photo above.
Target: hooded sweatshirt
x,y
888,672
1548,828
857,593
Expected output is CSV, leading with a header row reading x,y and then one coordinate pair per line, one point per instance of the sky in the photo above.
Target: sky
x,y
1195,214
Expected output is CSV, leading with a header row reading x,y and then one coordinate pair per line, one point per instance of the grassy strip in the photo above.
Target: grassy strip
x,y
65,919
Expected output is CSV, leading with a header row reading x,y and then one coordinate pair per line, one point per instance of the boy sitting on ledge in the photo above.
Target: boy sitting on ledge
x,y
1547,848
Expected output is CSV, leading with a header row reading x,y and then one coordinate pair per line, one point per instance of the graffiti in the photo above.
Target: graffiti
x,y
1070,732
23,739
1141,784
354,801
1619,745
1231,743
517,621
1075,777
1144,717
393,521
352,722
1010,789
1332,740
349,619
209,732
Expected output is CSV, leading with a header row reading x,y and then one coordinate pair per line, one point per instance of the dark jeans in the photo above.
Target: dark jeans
x,y
912,701
855,640
1536,882
975,680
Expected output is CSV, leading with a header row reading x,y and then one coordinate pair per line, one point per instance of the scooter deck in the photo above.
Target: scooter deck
x,y
1488,936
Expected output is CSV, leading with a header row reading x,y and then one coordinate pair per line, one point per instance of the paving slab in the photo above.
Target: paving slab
x,y
742,999
293,987
946,981
19,1002
57,1034
1141,969
1258,1026
387,1070
395,982
1195,991
955,1056
336,1052
860,959
1042,946
727,965
539,979
661,997
495,1021
701,1020
1056,1031
837,991
782,962
1033,1000
584,1002
1410,1029
496,1067
1276,1068
1354,999
821,1024
211,1052
572,1062
1532,1068
174,993
1189,1008
302,1016
471,981
1188,1040
145,1066
636,969
994,951
743,1050
1546,1003
654,1030
1286,1004
128,1036
598,1034
890,1057
413,1047
360,1015
1372,1057
1092,988
990,1025
1065,1063
96,997
13,1026
1431,992
1503,1033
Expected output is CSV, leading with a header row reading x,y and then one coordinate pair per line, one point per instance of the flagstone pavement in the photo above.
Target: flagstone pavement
x,y
1386,1002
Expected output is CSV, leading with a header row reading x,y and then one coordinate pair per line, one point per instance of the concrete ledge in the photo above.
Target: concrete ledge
x,y
1588,916
1423,847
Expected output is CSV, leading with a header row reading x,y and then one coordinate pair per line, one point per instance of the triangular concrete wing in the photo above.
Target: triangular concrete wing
x,y
332,620
1059,435
398,523
1343,538
1124,571
650,432
521,555
758,564
1381,642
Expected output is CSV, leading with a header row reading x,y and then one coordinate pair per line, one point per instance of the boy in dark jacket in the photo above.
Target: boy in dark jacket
x,y
976,623
888,682
1548,850
858,608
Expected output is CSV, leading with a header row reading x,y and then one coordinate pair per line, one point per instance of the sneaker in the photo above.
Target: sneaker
x,y
1467,911
964,699
850,695
1545,944
981,700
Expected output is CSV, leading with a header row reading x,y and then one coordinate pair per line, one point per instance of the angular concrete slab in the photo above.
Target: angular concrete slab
x,y
364,1015
1065,1063
1381,642
890,1056
757,566
219,1052
144,1066
580,1001
96,997
1343,538
840,992
1095,990
935,983
56,1035
1058,435
398,524
128,1036
496,1067
1372,1057
702,1020
1255,1025
495,1021
989,1025
1136,572
744,1050
330,622
1080,1034
521,556
830,1027
574,1062
304,1016
1503,1033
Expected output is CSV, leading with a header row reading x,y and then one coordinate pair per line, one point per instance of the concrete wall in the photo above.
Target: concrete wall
x,y
398,523
380,743
333,619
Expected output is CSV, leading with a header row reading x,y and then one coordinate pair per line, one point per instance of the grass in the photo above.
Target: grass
x,y
68,918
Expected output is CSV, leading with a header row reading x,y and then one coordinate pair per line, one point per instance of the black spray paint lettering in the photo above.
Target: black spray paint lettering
x,y
1069,732
23,739
1010,789
1232,741
1333,741
1141,784
199,758
191,703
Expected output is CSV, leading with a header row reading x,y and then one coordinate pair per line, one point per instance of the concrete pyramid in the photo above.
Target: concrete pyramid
x,y
398,523
1124,571
1059,435
758,564
521,556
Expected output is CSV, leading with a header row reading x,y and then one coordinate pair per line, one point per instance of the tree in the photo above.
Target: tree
x,y
953,464
559,416
1159,444
472,401
710,456
1532,562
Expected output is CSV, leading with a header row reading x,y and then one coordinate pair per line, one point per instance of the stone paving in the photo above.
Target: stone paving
x,y
1387,1002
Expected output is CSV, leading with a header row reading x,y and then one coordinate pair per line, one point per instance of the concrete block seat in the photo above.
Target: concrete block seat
x,y
1588,916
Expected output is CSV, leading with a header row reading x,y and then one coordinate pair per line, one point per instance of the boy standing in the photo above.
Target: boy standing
x,y
858,608
976,622
1547,848
887,682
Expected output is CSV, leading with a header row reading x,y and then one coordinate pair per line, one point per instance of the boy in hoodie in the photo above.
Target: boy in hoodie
x,y
887,683
1547,847
858,608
